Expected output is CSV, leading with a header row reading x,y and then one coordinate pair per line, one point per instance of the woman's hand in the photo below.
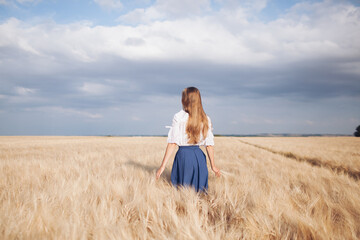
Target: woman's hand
x,y
159,172
216,171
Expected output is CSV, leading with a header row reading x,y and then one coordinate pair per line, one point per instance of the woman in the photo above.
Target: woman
x,y
190,128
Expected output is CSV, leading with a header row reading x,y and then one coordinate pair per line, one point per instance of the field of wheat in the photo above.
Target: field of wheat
x,y
105,188
336,153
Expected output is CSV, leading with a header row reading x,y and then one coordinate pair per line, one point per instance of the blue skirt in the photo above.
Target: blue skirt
x,y
189,168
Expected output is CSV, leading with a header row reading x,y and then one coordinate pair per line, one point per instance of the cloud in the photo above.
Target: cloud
x,y
109,4
66,111
167,10
141,15
134,41
260,44
24,91
95,88
308,122
249,5
354,121
174,8
281,69
135,118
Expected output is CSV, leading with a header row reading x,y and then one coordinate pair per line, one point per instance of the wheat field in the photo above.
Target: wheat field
x,y
105,188
331,151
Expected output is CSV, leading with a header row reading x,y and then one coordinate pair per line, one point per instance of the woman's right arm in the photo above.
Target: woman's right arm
x,y
169,150
173,140
210,153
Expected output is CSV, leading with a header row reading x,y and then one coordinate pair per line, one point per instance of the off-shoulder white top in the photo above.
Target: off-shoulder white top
x,y
177,133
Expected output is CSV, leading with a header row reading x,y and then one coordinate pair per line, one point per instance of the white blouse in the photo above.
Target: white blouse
x,y
177,133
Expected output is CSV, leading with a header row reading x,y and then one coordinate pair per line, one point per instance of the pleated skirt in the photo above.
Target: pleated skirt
x,y
189,168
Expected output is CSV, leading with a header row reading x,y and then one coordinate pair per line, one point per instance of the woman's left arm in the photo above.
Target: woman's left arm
x,y
169,150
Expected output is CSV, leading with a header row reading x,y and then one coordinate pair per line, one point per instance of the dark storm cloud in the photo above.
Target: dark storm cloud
x,y
130,81
317,79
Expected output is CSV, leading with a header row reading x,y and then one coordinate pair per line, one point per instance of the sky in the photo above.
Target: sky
x,y
118,67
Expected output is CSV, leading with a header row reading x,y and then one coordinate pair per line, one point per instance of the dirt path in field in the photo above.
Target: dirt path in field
x,y
312,161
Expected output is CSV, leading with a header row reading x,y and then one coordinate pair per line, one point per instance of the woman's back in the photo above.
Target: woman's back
x,y
178,135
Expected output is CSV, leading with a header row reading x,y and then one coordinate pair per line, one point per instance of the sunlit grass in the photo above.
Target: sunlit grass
x,y
105,188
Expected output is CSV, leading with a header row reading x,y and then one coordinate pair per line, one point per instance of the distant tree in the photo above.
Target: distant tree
x,y
357,133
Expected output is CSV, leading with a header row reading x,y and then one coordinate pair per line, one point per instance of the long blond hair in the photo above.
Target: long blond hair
x,y
198,121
